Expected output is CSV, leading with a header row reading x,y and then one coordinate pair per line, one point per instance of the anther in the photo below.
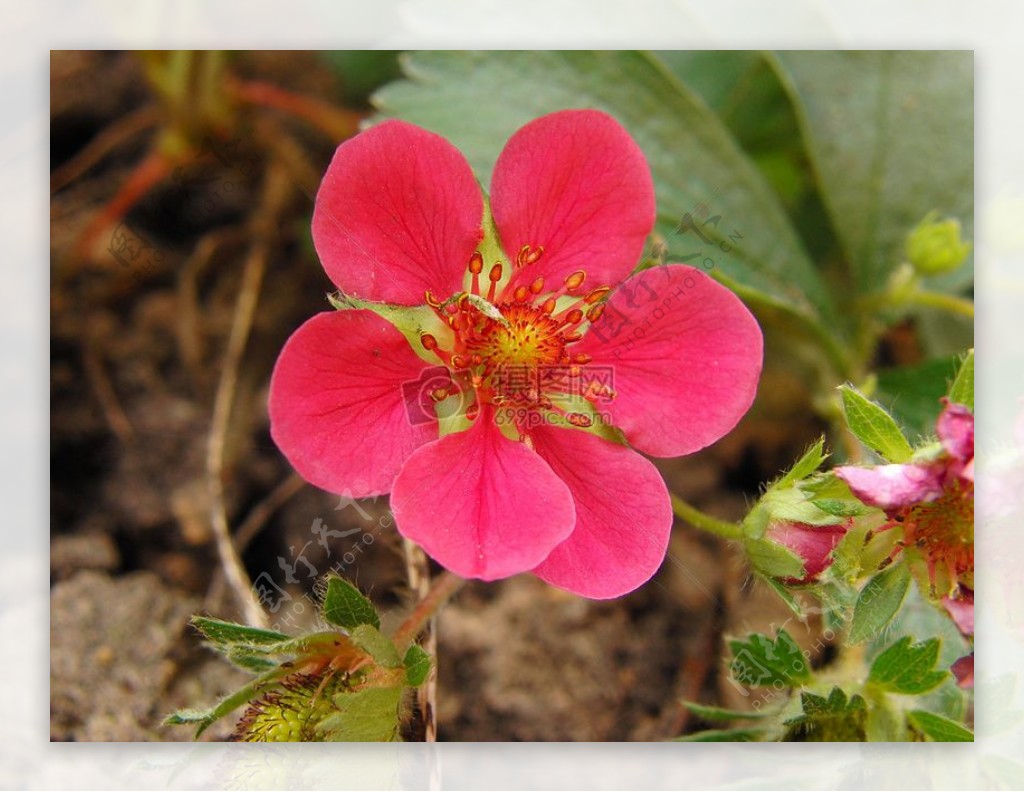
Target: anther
x,y
574,281
575,316
473,411
459,362
495,274
569,338
537,286
596,295
476,263
582,358
595,313
521,294
579,419
548,306
431,300
439,394
428,341
528,255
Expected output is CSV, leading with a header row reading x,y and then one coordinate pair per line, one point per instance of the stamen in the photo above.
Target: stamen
x,y
494,276
595,313
537,286
528,255
431,300
521,294
548,306
476,263
575,316
429,342
574,281
579,419
596,295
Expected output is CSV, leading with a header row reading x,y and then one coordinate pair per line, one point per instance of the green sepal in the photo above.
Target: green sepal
x,y
873,426
379,647
962,390
367,715
417,666
836,718
345,606
878,603
218,631
936,728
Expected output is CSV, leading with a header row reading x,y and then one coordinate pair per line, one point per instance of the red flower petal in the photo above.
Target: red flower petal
x,y
963,670
955,428
575,183
623,515
480,504
398,213
892,487
961,610
812,543
684,355
337,406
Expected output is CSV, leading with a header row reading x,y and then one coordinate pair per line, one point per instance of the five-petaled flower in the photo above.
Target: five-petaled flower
x,y
932,502
528,479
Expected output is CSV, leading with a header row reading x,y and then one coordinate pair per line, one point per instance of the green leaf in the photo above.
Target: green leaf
x,y
479,99
908,668
912,393
759,661
368,715
833,719
417,666
712,74
873,426
891,136
381,648
720,714
794,505
248,658
962,391
225,632
346,607
935,728
724,735
773,560
878,602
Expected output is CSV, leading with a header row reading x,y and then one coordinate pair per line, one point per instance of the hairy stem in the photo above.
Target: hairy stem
x,y
440,592
705,522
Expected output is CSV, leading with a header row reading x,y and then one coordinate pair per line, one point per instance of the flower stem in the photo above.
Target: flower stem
x,y
440,592
945,302
705,522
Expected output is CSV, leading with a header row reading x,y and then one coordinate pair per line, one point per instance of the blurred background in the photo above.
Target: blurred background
x,y
182,187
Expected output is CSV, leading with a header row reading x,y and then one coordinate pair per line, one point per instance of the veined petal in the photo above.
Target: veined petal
x,y
955,428
684,354
480,504
398,212
575,183
892,487
345,403
623,515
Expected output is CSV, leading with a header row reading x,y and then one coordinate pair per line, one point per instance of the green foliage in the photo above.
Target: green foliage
x,y
321,686
908,668
912,393
346,607
836,718
935,728
760,661
890,135
873,426
934,246
878,603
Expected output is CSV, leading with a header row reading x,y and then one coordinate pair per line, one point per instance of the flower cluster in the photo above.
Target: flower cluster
x,y
529,476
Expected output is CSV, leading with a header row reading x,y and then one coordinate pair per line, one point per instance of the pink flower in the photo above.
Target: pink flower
x,y
531,351
812,543
961,610
932,501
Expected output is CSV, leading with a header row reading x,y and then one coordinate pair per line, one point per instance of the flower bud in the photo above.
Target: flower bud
x,y
935,247
812,543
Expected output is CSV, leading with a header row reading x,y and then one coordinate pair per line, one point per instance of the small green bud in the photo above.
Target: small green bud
x,y
934,247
